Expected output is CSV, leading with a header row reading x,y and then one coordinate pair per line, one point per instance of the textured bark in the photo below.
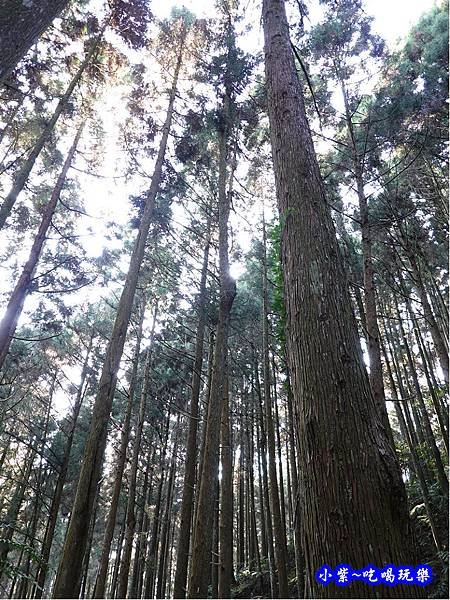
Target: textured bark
x,y
299,559
141,528
279,532
353,505
21,24
41,573
100,584
68,579
15,305
187,500
201,555
24,172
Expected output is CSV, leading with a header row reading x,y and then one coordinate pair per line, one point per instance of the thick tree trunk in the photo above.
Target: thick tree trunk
x,y
24,172
362,518
68,579
21,24
187,502
15,305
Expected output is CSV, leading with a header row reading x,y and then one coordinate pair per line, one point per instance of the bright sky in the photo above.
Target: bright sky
x,y
393,18
107,199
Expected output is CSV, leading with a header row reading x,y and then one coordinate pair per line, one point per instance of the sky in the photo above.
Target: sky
x,y
393,18
107,198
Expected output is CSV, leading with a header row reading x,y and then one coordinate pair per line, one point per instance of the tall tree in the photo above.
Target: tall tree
x,y
68,580
336,412
203,529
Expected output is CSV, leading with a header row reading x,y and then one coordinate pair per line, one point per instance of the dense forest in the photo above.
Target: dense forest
x,y
224,317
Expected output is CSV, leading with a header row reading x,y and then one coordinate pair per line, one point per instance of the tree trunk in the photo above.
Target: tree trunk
x,y
154,539
433,327
68,579
162,567
10,519
274,496
41,573
131,500
25,170
187,501
15,305
100,584
201,555
226,502
362,518
21,24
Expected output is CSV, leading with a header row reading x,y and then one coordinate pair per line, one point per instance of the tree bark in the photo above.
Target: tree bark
x,y
131,500
21,24
362,517
226,501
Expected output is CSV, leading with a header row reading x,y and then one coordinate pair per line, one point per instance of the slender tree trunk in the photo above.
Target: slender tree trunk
x,y
10,519
115,573
187,500
341,434
25,170
41,573
226,502
21,24
100,584
425,419
162,567
201,555
274,496
131,500
68,579
266,514
299,559
15,305
154,540
87,556
433,327
415,458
